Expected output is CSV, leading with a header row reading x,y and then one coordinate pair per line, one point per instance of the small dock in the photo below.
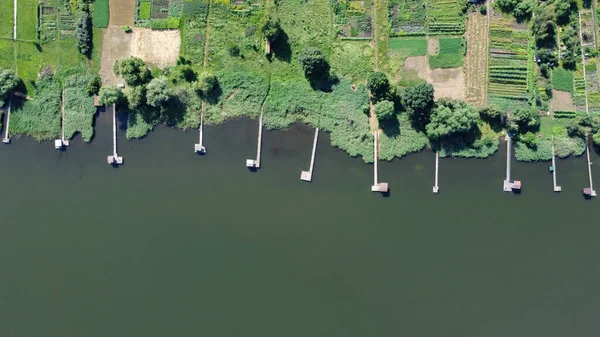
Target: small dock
x,y
61,143
377,186
6,139
553,170
307,175
255,163
115,159
199,148
510,185
589,191
436,187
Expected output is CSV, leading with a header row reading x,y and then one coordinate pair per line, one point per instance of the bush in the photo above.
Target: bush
x,y
378,85
101,13
127,29
133,70
84,31
110,95
158,92
385,111
94,85
529,139
313,63
8,81
483,9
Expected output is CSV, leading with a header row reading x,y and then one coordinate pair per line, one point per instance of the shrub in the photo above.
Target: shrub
x,y
133,70
94,85
385,110
84,31
157,92
8,81
378,85
313,63
110,95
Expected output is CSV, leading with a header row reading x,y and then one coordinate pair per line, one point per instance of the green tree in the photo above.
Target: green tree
x,y
158,92
314,63
529,139
385,111
94,85
110,95
575,129
492,115
206,84
450,118
418,102
136,96
524,120
8,82
596,138
564,9
271,28
133,70
83,30
378,85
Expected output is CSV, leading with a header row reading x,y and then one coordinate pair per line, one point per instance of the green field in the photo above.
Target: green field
x,y
6,19
408,46
27,20
562,80
451,54
101,13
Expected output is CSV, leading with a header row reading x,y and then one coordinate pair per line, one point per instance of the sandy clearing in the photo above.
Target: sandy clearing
x,y
447,83
562,101
121,12
156,47
116,45
433,46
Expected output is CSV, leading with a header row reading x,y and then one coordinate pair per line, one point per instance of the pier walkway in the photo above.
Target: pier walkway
x,y
553,170
60,143
436,187
307,175
115,159
6,139
509,185
255,163
199,148
377,186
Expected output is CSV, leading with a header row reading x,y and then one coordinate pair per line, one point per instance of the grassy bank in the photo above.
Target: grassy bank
x,y
79,107
38,118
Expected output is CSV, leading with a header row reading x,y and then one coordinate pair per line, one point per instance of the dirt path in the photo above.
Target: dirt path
x,y
476,59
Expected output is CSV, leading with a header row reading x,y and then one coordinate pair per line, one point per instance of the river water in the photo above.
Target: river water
x,y
176,244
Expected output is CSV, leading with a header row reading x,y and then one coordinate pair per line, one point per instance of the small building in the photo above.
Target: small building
x,y
250,163
515,185
6,140
198,148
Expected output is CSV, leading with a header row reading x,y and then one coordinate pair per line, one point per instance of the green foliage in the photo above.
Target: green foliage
x,y
158,92
101,13
94,84
451,54
520,9
450,118
110,95
40,117
385,111
378,85
136,97
133,70
596,138
183,73
575,129
145,10
564,9
524,120
84,31
127,29
492,115
271,28
79,107
409,46
8,82
207,83
418,102
562,80
529,139
314,63
398,144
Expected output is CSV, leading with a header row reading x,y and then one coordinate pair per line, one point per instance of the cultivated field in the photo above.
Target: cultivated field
x,y
476,66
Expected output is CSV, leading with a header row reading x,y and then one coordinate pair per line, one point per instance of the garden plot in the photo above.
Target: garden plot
x,y
26,22
353,18
6,19
406,17
445,17
158,14
194,29
508,85
476,59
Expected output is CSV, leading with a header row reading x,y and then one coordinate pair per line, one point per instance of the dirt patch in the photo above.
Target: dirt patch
x,y
159,48
121,12
562,101
116,45
433,46
476,59
447,83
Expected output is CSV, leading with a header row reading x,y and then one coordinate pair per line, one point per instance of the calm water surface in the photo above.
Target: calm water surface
x,y
175,244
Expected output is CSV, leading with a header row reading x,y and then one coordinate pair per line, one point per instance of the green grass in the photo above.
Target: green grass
x,y
27,20
79,108
28,63
145,10
562,80
451,54
409,46
564,145
40,117
406,141
101,13
7,59
353,59
6,19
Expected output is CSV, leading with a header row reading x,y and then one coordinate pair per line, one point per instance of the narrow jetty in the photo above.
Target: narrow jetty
x,y
115,159
6,140
436,187
510,185
199,148
62,142
553,170
14,19
307,175
588,192
255,163
377,186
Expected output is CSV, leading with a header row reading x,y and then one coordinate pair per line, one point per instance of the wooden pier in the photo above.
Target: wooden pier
x,y
115,159
553,170
436,187
199,148
15,20
255,163
589,191
307,175
59,144
377,186
510,185
6,140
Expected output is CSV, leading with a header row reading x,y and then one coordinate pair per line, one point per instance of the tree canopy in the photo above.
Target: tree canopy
x,y
271,28
8,82
110,95
158,91
385,110
379,85
83,29
522,121
136,96
418,102
314,63
452,117
133,70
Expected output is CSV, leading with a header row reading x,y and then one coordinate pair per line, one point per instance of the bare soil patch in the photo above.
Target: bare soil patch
x,y
116,45
476,59
121,12
562,101
447,83
160,48
433,46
